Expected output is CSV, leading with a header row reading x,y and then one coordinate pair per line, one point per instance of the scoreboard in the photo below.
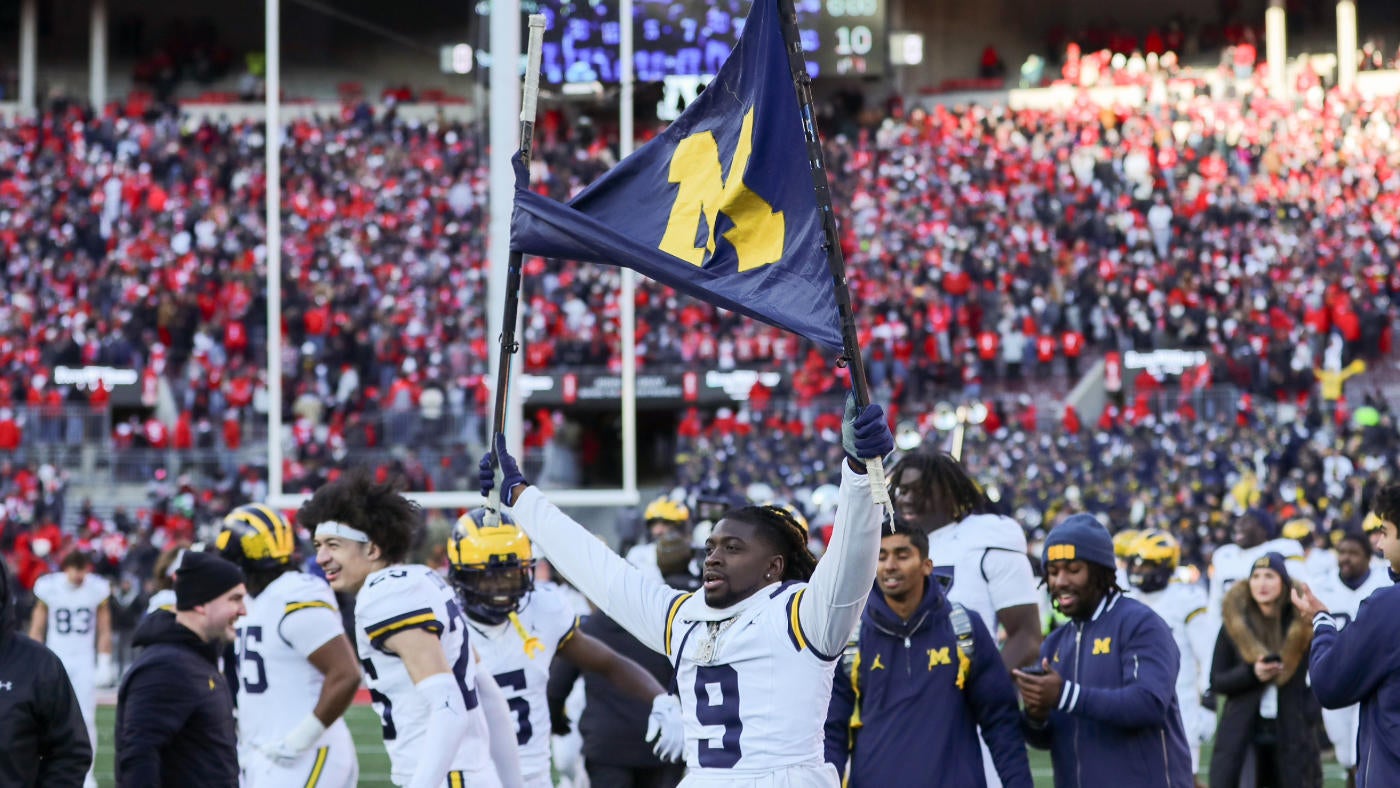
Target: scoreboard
x,y
841,38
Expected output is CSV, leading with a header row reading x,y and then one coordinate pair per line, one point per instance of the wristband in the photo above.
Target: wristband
x,y
305,734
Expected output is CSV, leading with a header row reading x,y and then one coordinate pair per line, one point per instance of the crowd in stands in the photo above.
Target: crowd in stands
x,y
980,242
984,245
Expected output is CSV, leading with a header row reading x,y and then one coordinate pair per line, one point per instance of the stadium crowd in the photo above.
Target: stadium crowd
x,y
981,242
984,244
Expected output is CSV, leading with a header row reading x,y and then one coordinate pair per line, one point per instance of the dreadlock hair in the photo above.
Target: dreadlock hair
x,y
1387,503
777,527
1104,580
942,478
392,522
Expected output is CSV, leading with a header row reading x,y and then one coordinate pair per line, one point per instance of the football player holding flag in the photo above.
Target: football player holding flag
x,y
755,652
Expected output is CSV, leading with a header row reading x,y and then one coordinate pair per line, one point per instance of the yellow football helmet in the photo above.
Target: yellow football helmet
x,y
1298,528
1152,560
794,513
1372,523
255,537
667,511
493,566
1123,542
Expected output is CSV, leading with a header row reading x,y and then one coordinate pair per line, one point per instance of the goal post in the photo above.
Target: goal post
x,y
503,117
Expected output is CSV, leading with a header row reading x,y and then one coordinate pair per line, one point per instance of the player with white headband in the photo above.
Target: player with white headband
x,y
444,724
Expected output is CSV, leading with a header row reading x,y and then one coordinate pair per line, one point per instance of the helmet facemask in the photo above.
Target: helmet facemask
x,y
491,592
1149,576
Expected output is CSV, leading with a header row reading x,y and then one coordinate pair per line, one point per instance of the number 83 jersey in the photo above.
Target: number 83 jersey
x,y
72,626
409,596
520,664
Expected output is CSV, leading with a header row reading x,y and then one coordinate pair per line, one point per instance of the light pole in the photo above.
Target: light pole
x,y
946,418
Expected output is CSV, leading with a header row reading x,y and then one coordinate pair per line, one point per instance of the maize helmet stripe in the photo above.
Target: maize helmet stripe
x,y
271,537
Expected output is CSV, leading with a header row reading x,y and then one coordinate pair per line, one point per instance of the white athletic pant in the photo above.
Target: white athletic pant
x,y
1342,727
330,764
803,775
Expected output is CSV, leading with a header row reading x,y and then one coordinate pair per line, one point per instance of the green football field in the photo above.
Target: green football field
x,y
374,763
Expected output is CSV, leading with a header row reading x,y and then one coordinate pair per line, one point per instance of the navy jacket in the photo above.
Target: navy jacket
x,y
1361,664
911,705
1118,722
174,712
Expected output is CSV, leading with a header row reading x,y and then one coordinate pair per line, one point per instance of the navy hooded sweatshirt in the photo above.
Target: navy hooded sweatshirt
x,y
910,703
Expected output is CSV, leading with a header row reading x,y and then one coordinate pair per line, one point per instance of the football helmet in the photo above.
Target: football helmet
x,y
1123,542
256,537
666,510
492,566
1298,528
1153,559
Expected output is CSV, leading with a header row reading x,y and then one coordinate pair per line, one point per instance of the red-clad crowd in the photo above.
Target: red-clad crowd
x,y
983,244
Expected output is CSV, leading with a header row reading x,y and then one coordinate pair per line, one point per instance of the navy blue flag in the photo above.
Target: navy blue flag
x,y
719,206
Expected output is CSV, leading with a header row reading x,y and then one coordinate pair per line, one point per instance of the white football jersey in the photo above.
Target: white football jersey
x,y
71,632
740,696
1232,563
406,596
982,563
754,679
277,687
163,599
1183,607
1343,602
1319,564
549,619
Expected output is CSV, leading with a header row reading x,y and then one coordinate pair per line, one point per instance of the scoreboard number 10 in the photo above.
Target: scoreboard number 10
x,y
854,40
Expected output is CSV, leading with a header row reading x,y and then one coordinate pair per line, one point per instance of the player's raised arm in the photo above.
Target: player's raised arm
x,y
638,603
831,604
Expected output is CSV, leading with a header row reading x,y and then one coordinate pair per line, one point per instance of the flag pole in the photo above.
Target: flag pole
x,y
509,346
835,261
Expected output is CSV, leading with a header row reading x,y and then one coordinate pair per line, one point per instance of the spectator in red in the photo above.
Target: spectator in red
x,y
11,435
990,65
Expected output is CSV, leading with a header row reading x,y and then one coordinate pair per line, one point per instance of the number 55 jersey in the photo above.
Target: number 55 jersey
x,y
408,596
278,686
520,660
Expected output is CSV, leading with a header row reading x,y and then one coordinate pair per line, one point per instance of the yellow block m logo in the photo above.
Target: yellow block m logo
x,y
705,193
1102,645
1060,552
938,656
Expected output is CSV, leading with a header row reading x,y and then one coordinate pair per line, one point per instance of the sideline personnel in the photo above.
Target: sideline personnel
x,y
174,709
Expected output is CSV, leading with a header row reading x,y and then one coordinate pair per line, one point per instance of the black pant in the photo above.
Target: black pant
x,y
607,775
1266,754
